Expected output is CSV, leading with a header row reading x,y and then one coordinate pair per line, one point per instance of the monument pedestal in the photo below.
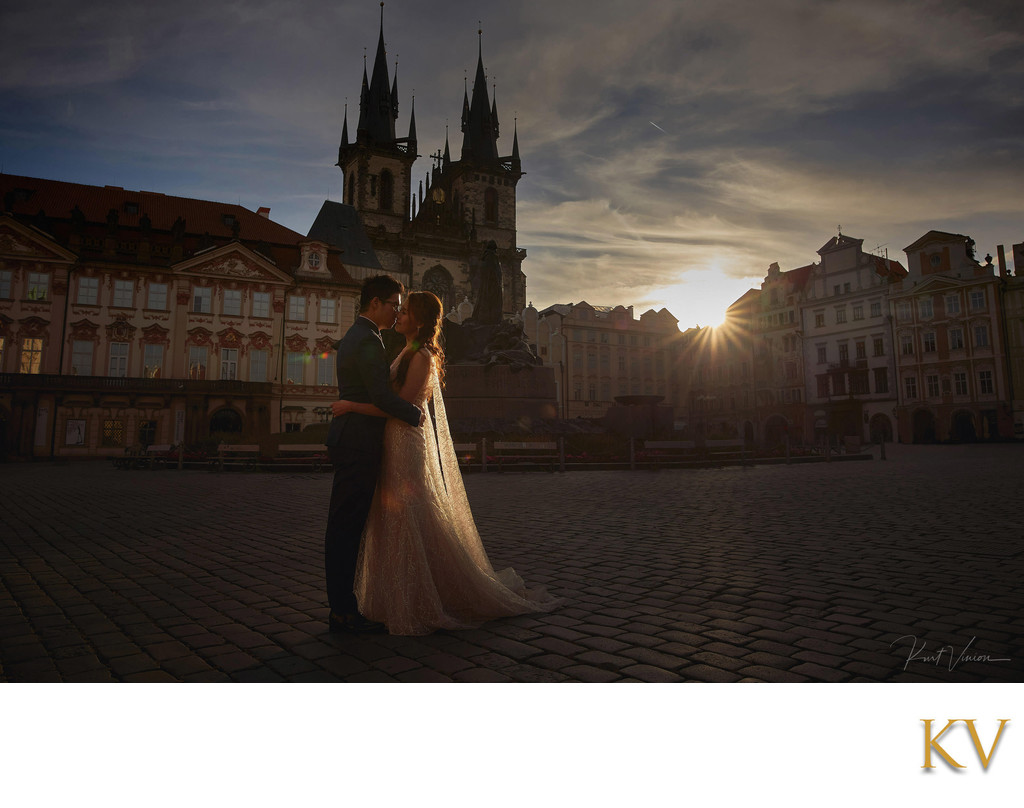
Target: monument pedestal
x,y
499,392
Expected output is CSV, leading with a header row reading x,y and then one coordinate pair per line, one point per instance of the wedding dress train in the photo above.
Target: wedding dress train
x,y
422,565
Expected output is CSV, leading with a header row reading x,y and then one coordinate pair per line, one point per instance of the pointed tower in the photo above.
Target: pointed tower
x,y
378,165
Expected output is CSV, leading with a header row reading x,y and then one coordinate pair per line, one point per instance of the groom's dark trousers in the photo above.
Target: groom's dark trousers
x,y
354,445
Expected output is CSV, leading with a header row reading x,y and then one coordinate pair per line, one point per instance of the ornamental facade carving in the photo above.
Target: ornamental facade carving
x,y
84,331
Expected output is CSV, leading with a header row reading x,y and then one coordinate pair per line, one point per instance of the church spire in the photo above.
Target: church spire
x,y
377,120
479,140
516,163
412,124
344,136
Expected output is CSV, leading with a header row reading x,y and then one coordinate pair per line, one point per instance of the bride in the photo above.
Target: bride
x,y
421,564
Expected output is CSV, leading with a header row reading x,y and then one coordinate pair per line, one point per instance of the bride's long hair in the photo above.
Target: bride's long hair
x,y
425,307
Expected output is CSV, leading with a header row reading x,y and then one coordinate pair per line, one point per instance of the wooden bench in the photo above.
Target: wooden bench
x,y
669,450
293,455
157,455
546,453
725,449
471,454
243,456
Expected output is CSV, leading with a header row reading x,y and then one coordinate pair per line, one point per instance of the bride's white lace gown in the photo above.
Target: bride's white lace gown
x,y
422,565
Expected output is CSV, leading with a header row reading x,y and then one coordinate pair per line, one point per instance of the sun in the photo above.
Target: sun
x,y
702,297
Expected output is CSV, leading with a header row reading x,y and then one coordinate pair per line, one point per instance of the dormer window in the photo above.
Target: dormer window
x,y
131,208
314,260
228,219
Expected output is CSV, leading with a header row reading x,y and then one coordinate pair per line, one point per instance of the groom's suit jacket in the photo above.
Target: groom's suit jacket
x,y
363,376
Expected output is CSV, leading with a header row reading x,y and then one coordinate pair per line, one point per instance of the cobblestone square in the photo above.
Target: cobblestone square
x,y
896,571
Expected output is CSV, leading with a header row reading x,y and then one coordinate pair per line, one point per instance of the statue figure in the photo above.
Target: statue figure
x,y
487,310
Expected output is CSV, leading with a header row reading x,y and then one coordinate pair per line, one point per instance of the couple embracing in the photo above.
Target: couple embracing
x,y
402,551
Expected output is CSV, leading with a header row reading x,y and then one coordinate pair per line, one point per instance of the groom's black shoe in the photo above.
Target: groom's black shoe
x,y
353,623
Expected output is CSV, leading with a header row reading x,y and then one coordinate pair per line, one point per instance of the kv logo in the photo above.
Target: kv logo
x,y
931,743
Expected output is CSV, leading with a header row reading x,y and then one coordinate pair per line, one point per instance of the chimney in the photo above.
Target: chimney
x,y
1002,261
264,212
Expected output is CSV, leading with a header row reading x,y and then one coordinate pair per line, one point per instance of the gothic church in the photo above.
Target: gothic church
x,y
432,237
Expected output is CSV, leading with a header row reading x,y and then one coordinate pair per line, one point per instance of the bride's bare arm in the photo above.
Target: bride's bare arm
x,y
417,376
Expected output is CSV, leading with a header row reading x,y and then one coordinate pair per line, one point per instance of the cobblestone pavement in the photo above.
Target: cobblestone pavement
x,y
828,572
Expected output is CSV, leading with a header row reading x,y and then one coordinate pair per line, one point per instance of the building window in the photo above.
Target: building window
x,y
261,304
296,307
928,341
859,383
38,286
197,362
328,310
981,336
837,289
88,291
985,384
622,363
881,380
387,190
202,300
157,297
846,288
822,354
293,427
910,385
878,346
325,371
933,386
956,339
81,358
257,366
839,384
147,432
903,312
844,353
924,308
858,312
823,387
591,362
952,304
977,300
862,351
118,359
876,309
233,302
296,367
960,384
123,293
577,392
229,363
819,319
490,205
113,433
5,284
841,315
153,361
906,345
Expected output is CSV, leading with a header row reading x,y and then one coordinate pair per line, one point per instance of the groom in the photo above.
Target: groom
x,y
355,443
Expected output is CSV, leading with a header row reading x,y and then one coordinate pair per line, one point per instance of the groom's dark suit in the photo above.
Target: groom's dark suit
x,y
354,445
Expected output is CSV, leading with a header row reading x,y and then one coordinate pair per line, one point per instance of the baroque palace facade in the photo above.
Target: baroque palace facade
x,y
135,318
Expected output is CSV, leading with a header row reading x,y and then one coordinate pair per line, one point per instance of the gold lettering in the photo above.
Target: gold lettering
x,y
930,743
977,741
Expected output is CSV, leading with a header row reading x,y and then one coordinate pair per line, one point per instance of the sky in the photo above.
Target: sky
x,y
673,150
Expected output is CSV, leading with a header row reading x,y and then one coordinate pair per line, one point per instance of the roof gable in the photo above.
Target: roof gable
x,y
235,261
18,241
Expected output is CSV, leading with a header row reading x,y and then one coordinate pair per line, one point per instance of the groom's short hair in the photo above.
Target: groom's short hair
x,y
382,286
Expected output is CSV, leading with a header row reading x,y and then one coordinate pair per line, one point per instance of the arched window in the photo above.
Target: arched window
x,y
438,280
352,187
491,205
387,190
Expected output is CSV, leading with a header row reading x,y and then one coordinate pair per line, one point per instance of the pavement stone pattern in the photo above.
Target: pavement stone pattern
x,y
833,572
